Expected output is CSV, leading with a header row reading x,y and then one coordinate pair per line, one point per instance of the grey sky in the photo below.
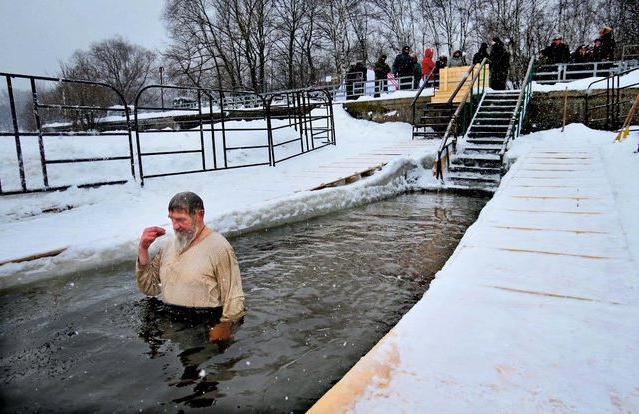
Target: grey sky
x,y
36,34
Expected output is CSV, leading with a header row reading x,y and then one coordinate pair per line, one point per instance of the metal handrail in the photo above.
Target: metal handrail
x,y
419,92
613,97
449,129
622,73
462,82
520,113
421,88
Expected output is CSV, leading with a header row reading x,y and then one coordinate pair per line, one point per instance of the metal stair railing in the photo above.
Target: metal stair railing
x,y
613,99
419,92
519,114
453,126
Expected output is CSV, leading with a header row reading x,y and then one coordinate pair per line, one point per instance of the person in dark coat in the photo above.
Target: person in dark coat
x,y
499,64
403,66
381,73
581,55
607,39
595,53
557,52
481,54
441,63
355,80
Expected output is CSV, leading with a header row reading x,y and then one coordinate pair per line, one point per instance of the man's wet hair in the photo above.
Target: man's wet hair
x,y
187,201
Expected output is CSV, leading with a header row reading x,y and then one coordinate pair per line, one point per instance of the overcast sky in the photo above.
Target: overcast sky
x,y
36,34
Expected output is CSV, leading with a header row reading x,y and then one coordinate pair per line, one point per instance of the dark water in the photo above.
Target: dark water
x,y
320,294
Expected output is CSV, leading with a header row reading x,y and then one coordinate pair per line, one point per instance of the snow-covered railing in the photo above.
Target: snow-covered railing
x,y
568,72
452,130
519,115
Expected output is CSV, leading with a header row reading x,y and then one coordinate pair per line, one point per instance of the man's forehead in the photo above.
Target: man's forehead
x,y
178,212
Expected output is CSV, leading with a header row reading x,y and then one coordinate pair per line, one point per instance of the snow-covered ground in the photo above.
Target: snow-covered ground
x,y
537,310
102,225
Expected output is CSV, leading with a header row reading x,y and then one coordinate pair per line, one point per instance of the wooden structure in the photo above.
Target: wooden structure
x,y
449,78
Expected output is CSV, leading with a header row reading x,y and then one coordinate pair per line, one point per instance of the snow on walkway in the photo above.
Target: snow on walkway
x,y
537,310
104,224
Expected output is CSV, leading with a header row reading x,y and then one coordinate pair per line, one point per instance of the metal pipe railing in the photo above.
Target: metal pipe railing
x,y
444,146
520,112
419,92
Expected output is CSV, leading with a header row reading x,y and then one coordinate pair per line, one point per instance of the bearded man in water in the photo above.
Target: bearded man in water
x,y
196,270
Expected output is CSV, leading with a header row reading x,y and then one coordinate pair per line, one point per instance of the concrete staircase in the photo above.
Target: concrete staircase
x,y
477,163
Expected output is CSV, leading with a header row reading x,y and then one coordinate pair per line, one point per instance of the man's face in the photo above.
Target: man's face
x,y
557,42
185,225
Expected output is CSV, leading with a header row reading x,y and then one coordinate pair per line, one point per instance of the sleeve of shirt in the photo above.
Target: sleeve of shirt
x,y
148,276
231,293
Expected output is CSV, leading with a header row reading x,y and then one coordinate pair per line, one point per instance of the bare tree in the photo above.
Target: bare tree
x,y
121,64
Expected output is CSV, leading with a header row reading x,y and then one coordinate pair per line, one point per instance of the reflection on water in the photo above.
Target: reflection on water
x,y
320,294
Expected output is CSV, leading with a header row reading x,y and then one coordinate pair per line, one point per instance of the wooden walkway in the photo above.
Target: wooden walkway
x,y
536,311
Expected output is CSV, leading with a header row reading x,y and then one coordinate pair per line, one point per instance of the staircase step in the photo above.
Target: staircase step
x,y
475,170
477,160
492,119
483,148
485,140
427,135
486,134
473,176
488,128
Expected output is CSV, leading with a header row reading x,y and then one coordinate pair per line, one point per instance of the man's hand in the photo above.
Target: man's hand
x,y
148,237
223,331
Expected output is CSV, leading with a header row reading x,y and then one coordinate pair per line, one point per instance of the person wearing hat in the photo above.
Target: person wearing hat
x,y
403,67
499,64
457,60
557,52
381,73
607,43
581,55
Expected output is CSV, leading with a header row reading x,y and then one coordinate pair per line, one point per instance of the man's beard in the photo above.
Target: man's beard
x,y
183,238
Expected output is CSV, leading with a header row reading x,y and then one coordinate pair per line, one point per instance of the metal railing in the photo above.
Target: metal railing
x,y
462,115
287,117
426,82
313,123
76,104
613,107
349,91
568,72
519,114
75,122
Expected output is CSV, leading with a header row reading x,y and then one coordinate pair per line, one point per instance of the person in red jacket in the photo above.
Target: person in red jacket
x,y
428,64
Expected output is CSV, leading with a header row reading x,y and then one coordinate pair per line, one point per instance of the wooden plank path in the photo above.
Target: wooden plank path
x,y
537,310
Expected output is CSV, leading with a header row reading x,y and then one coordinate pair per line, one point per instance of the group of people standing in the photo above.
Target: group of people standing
x,y
602,49
409,71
